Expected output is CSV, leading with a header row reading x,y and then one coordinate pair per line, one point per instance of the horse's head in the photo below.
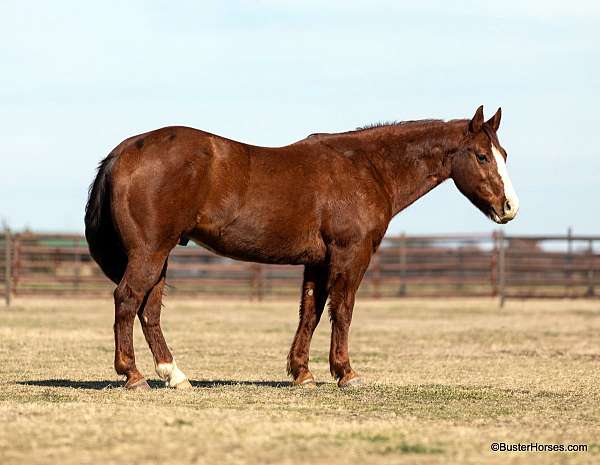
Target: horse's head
x,y
479,170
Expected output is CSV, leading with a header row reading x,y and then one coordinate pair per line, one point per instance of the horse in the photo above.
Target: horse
x,y
323,202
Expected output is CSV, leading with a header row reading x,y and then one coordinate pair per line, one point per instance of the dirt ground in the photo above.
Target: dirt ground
x,y
445,379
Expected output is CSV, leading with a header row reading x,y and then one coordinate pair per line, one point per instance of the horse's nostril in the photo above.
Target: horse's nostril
x,y
507,206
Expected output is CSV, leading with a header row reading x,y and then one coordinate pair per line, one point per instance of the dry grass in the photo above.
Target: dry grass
x,y
445,380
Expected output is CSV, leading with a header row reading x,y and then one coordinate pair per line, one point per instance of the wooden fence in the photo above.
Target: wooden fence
x,y
425,266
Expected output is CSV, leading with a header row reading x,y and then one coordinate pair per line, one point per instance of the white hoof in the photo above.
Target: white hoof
x,y
185,385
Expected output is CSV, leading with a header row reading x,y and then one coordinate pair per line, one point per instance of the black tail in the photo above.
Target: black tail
x,y
102,237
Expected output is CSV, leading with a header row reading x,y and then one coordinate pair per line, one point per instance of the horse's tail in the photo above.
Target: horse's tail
x,y
102,237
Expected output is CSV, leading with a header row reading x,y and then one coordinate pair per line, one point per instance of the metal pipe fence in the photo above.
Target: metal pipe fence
x,y
504,266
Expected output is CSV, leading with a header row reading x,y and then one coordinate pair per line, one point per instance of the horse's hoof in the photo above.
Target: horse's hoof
x,y
141,385
306,381
308,384
353,382
185,385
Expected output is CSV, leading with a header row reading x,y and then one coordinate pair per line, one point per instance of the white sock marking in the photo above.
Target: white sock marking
x,y
170,373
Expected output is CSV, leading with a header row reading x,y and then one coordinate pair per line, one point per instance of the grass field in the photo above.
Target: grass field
x,y
445,379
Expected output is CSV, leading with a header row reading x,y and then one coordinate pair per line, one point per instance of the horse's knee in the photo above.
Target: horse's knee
x,y
149,313
149,319
127,301
124,293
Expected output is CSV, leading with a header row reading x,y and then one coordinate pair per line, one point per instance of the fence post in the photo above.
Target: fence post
x,y
377,276
494,264
252,281
569,262
501,267
403,261
7,265
461,269
77,264
16,263
257,282
260,290
590,289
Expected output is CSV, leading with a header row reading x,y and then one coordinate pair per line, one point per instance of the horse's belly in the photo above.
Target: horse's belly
x,y
264,248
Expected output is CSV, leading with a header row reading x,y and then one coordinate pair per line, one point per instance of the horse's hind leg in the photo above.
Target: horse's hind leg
x,y
142,274
312,302
149,315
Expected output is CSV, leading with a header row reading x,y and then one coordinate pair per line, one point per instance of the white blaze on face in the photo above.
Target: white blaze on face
x,y
509,190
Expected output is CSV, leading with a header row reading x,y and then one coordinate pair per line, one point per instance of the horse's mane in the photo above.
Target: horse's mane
x,y
379,125
383,124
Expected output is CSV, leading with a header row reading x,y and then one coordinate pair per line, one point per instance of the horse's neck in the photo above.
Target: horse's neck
x,y
412,161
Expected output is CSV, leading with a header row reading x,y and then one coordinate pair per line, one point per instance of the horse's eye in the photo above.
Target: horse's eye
x,y
481,158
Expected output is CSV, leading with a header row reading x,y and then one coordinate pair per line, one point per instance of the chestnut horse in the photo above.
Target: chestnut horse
x,y
324,202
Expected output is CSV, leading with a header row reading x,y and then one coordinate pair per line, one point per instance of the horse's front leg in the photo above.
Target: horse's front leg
x,y
348,267
312,302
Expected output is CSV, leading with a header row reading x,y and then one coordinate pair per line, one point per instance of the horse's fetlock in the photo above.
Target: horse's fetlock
x,y
296,365
122,365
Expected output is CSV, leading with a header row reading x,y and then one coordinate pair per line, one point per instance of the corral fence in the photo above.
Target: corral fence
x,y
560,266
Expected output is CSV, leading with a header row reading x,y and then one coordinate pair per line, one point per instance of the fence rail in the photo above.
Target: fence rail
x,y
559,266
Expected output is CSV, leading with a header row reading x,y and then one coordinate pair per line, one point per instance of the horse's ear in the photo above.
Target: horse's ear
x,y
494,121
476,123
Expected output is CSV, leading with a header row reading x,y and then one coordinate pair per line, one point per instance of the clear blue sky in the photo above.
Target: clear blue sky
x,y
78,77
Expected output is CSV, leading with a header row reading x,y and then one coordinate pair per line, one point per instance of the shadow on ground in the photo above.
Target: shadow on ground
x,y
106,384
